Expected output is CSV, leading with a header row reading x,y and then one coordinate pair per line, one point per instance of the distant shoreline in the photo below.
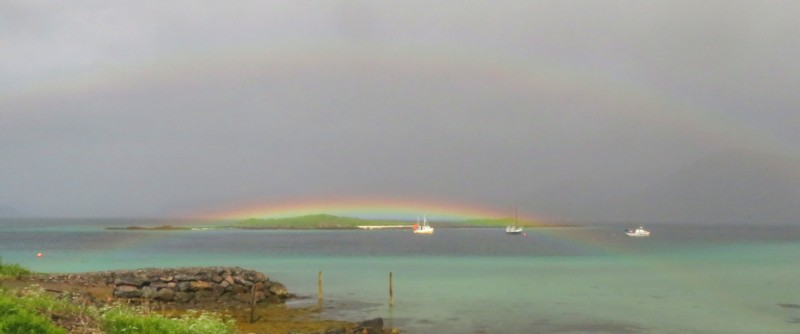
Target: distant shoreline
x,y
331,222
151,228
305,228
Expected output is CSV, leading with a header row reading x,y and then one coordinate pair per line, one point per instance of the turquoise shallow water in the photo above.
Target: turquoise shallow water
x,y
683,279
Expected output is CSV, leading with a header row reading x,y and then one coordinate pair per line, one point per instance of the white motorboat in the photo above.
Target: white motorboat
x,y
638,232
423,228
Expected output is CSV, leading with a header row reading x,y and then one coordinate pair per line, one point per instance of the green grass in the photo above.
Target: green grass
x,y
493,222
30,311
126,320
18,318
12,270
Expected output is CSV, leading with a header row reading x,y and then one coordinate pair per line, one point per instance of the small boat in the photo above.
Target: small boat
x,y
514,229
638,232
424,228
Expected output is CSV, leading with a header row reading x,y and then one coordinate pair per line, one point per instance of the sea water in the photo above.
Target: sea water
x,y
682,279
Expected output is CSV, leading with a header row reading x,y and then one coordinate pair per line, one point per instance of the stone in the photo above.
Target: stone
x,y
183,297
260,295
127,291
199,285
184,286
206,296
188,285
243,297
371,326
182,277
238,289
130,280
278,289
149,292
166,295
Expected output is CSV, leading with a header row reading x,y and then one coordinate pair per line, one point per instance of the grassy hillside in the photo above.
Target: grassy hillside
x,y
331,222
498,222
320,221
325,221
487,222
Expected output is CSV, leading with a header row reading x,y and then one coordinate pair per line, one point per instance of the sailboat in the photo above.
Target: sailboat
x,y
514,229
424,228
638,232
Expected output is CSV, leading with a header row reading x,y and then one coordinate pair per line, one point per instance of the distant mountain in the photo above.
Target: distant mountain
x,y
731,187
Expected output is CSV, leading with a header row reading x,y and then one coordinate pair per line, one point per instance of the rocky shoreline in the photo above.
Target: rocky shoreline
x,y
250,297
215,286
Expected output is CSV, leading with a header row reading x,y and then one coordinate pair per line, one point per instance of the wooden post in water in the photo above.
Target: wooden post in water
x,y
319,288
391,292
253,305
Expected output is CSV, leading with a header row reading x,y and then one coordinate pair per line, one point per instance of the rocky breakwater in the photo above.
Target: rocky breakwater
x,y
205,285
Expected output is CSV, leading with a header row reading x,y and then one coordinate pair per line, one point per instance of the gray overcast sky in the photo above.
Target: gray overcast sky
x,y
574,110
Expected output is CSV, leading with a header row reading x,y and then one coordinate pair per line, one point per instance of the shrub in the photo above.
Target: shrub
x,y
12,270
34,298
127,320
30,311
16,317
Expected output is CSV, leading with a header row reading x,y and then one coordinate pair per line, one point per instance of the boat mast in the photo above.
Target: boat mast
x,y
515,224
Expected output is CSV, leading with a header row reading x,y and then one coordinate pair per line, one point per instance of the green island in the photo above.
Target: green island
x,y
331,222
154,228
318,222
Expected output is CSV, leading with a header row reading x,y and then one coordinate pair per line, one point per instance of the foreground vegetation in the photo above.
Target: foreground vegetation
x,y
12,270
33,310
28,314
122,319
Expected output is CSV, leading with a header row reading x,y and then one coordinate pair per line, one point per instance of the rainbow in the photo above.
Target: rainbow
x,y
632,100
628,100
373,208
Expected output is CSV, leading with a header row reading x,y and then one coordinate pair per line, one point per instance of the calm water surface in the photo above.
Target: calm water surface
x,y
683,279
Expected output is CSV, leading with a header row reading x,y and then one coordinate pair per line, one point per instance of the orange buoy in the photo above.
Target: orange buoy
x,y
39,254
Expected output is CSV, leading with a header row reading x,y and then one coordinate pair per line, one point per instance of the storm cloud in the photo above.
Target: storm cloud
x,y
574,110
